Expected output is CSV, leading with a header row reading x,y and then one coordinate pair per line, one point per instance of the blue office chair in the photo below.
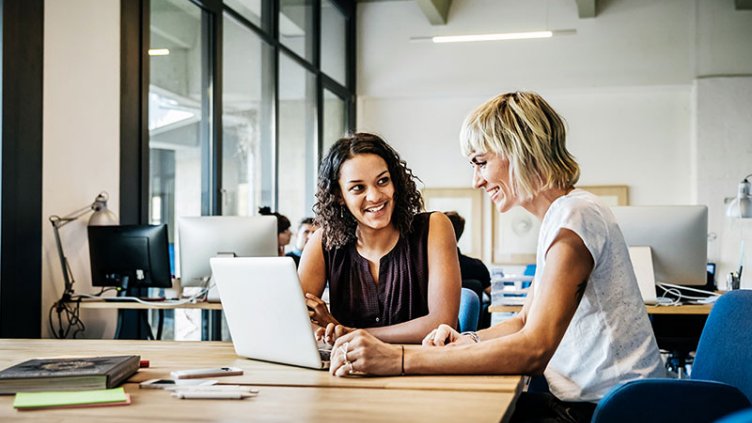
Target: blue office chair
x,y
740,417
469,310
721,379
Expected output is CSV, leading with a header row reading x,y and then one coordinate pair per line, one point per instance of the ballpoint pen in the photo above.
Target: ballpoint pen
x,y
213,388
212,395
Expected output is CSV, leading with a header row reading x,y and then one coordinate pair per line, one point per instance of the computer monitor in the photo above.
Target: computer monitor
x,y
676,235
203,237
129,256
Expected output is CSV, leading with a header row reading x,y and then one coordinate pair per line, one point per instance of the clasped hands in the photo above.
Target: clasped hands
x,y
359,352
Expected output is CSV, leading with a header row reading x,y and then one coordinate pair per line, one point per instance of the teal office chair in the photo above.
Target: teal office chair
x,y
469,310
740,417
720,383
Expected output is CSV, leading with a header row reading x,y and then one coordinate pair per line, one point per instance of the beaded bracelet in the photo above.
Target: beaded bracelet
x,y
402,368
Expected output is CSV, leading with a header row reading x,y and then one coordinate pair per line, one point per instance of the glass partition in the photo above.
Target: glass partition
x,y
296,26
247,116
249,9
334,120
333,33
297,140
179,125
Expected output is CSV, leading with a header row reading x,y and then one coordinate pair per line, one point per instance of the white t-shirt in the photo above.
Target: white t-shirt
x,y
609,340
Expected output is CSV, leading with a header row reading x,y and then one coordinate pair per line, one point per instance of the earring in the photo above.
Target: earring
x,y
341,212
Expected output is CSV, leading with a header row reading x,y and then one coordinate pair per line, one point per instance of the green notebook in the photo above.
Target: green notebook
x,y
29,400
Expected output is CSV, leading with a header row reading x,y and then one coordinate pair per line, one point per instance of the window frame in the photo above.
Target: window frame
x,y
134,136
134,88
21,141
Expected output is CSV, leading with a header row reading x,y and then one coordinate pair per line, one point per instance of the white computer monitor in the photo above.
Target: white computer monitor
x,y
677,236
203,237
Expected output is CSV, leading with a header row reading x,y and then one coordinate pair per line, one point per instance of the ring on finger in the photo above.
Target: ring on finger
x,y
343,348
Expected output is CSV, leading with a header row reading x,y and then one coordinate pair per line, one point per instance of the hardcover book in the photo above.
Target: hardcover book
x,y
68,374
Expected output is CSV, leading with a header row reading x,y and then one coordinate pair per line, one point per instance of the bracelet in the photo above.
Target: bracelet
x,y
473,335
402,367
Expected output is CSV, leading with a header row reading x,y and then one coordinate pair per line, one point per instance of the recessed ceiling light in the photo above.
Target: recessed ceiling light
x,y
494,37
159,51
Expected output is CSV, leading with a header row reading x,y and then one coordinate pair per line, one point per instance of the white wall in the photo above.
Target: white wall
x,y
724,151
81,137
624,83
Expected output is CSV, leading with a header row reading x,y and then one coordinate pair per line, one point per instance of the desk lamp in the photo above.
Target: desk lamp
x,y
740,207
102,216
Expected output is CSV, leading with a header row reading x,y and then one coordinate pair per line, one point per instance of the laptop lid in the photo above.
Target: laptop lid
x,y
265,310
642,263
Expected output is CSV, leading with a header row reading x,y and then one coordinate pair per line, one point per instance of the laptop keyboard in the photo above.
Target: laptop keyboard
x,y
325,354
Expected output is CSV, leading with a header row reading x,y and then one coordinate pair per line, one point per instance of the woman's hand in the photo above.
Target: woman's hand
x,y
331,332
445,335
359,352
318,311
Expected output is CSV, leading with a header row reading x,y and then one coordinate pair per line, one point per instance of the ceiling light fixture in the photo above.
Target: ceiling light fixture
x,y
159,52
495,37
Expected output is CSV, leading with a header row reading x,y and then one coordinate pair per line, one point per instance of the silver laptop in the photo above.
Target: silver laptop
x,y
266,311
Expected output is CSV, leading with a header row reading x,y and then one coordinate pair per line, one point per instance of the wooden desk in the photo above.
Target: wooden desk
x,y
132,305
689,309
286,393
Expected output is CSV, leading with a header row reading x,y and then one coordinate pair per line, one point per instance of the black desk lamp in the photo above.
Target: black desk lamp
x,y
102,216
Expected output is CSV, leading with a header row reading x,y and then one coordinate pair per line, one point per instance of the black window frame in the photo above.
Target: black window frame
x,y
134,88
21,203
134,137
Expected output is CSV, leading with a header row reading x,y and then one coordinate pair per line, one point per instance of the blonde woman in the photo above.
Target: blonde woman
x,y
583,325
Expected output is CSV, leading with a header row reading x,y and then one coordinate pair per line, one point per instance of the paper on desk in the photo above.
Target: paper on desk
x,y
31,400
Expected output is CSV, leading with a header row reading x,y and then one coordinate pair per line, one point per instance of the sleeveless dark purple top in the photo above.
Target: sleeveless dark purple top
x,y
402,292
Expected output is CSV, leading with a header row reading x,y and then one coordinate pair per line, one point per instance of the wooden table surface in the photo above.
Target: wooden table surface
x,y
286,393
651,309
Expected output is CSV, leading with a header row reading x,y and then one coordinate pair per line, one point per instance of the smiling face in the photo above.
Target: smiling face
x,y
491,173
367,190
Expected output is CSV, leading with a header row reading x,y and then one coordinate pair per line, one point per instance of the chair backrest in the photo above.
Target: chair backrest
x,y
469,310
724,353
744,416
661,400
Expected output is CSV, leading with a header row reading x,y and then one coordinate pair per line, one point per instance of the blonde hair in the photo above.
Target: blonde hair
x,y
524,129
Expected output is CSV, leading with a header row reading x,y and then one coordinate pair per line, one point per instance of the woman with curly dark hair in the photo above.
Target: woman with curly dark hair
x,y
391,269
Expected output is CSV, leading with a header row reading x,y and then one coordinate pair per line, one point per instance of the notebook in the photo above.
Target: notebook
x,y
642,263
266,311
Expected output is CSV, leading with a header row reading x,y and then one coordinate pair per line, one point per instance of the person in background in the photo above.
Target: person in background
x,y
283,228
305,230
583,325
475,275
391,269
470,268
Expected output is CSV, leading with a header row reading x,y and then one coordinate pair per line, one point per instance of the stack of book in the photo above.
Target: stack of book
x,y
68,374
42,384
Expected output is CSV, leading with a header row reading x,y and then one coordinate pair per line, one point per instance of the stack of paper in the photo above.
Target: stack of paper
x,y
510,290
70,399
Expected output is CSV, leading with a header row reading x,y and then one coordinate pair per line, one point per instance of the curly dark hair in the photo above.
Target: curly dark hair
x,y
338,223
